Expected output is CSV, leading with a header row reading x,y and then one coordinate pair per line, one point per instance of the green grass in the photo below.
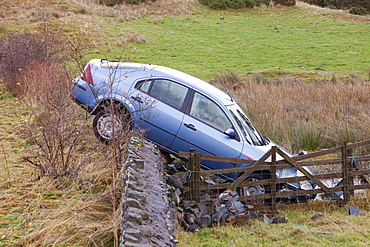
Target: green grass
x,y
290,40
335,229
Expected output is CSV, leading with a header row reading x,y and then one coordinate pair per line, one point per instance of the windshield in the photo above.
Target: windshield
x,y
250,133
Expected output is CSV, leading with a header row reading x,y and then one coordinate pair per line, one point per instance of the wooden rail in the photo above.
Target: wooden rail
x,y
349,170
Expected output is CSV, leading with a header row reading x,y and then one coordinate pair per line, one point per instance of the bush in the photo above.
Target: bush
x,y
343,4
20,50
228,4
286,2
239,4
358,11
260,2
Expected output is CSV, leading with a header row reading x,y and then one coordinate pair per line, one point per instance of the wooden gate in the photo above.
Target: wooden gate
x,y
350,167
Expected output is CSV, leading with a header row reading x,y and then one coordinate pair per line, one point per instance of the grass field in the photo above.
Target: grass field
x,y
308,110
276,40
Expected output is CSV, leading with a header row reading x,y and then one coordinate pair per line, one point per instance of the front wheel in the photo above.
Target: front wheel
x,y
255,190
111,125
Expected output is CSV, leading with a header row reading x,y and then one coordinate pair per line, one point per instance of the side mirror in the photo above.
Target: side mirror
x,y
230,132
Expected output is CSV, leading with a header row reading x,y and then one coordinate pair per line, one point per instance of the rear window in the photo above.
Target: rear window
x,y
166,91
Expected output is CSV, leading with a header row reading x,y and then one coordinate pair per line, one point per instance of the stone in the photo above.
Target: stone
x,y
131,244
191,210
354,211
133,185
133,217
252,216
204,221
138,163
233,193
189,218
203,210
239,206
231,219
138,211
128,237
279,220
174,181
137,195
240,218
189,203
193,227
136,233
205,198
317,216
131,202
266,220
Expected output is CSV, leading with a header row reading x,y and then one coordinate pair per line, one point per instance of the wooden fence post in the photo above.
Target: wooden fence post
x,y
197,177
191,169
351,167
345,169
273,178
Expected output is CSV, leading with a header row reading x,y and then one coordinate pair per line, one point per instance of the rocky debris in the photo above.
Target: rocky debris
x,y
318,215
354,211
280,220
228,209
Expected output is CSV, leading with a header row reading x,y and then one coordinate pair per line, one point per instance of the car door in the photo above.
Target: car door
x,y
203,129
159,104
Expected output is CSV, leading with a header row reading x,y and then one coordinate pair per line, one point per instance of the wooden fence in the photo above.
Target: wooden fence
x,y
349,168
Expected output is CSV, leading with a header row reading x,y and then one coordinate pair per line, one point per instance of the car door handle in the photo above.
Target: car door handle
x,y
138,99
190,126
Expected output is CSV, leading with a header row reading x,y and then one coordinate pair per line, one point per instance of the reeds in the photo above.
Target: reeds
x,y
318,114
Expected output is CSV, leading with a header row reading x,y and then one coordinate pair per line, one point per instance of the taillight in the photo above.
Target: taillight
x,y
87,76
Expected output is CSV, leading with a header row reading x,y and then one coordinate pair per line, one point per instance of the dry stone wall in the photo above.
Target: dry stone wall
x,y
148,213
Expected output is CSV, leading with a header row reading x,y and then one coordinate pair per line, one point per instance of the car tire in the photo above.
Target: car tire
x,y
166,158
255,190
111,125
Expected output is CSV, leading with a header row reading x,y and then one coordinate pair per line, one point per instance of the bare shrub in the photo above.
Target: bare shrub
x,y
70,163
23,49
52,125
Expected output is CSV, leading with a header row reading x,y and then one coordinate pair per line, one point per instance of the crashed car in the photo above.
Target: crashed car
x,y
177,111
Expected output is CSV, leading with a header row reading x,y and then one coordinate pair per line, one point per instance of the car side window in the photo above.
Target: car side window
x,y
209,112
166,91
145,86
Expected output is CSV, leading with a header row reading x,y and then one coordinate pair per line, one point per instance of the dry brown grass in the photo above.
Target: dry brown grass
x,y
313,115
66,189
69,210
41,10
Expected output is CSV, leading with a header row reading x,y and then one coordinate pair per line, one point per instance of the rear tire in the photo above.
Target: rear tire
x,y
111,125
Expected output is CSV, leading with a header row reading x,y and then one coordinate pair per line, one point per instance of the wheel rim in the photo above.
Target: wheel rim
x,y
253,190
109,126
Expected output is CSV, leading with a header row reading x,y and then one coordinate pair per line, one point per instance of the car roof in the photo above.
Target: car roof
x,y
157,71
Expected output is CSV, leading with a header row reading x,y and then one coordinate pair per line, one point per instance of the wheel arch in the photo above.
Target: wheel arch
x,y
107,102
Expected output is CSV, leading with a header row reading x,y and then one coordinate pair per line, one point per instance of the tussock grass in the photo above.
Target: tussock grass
x,y
310,116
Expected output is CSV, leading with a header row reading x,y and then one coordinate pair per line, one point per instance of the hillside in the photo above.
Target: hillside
x,y
301,73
